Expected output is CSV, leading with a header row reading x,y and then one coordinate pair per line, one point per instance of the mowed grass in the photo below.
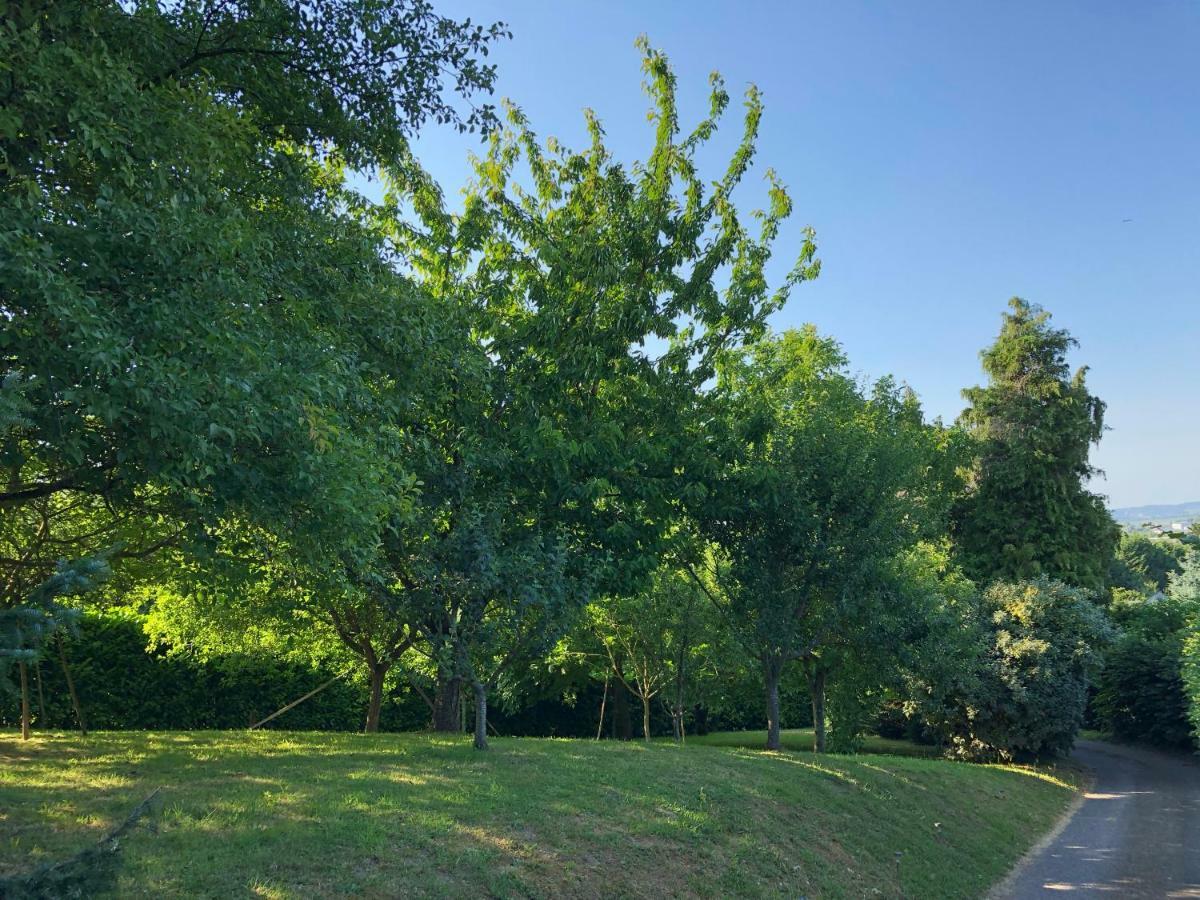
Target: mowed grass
x,y
801,740
278,814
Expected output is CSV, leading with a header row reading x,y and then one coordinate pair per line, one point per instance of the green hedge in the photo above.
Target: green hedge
x,y
124,686
121,685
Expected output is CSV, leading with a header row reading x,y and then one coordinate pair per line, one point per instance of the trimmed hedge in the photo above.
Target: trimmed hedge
x,y
122,685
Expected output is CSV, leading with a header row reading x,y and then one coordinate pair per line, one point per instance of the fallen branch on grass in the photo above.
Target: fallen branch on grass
x,y
80,875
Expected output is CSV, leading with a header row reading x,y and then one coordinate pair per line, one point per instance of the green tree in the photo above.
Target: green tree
x,y
657,643
1027,512
198,315
918,647
823,484
591,294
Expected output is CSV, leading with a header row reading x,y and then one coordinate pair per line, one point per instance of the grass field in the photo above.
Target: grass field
x,y
304,814
801,740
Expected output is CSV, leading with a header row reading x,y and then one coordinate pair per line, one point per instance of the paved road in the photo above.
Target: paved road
x,y
1136,834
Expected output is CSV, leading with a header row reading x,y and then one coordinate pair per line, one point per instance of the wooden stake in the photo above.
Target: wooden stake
x,y
24,701
62,658
295,703
603,701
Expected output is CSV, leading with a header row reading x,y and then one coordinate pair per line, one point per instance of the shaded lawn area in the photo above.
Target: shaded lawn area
x,y
279,814
801,740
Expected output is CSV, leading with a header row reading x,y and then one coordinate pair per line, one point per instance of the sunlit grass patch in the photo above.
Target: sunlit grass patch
x,y
283,815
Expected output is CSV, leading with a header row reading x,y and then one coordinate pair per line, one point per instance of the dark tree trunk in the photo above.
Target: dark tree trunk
x,y
817,686
771,673
377,673
699,719
37,679
646,719
621,718
24,701
446,716
480,715
62,658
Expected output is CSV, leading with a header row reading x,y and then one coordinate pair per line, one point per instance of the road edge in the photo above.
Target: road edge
x,y
1003,888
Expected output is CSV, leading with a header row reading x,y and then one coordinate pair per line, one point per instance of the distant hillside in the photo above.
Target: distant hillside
x,y
1174,512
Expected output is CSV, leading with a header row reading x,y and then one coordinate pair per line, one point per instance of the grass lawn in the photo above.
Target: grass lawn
x,y
279,814
801,740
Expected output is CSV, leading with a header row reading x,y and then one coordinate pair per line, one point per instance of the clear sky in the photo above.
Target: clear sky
x,y
950,155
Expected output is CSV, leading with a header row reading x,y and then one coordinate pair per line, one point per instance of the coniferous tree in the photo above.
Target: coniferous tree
x,y
1027,512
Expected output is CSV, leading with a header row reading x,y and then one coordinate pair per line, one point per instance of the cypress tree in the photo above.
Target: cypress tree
x,y
1027,511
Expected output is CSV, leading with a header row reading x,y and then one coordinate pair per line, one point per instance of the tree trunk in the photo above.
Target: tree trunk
x,y
62,658
621,719
37,679
646,719
817,686
771,672
24,701
446,706
480,715
377,674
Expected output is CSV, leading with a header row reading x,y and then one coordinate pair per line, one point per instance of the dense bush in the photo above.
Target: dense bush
x,y
122,685
1046,645
1185,589
1140,695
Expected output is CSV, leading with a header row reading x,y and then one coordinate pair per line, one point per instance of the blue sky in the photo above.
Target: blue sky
x,y
950,156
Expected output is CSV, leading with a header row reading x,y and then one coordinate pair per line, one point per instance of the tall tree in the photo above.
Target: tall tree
x,y
1027,512
592,296
193,303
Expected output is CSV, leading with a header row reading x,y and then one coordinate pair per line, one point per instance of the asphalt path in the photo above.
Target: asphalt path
x,y
1136,832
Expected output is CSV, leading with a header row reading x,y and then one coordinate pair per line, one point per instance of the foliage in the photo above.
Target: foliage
x,y
190,298
920,652
553,465
1140,695
1027,513
1185,590
822,485
1145,563
1046,647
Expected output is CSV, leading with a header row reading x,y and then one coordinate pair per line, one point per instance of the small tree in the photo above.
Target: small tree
x,y
655,642
820,485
